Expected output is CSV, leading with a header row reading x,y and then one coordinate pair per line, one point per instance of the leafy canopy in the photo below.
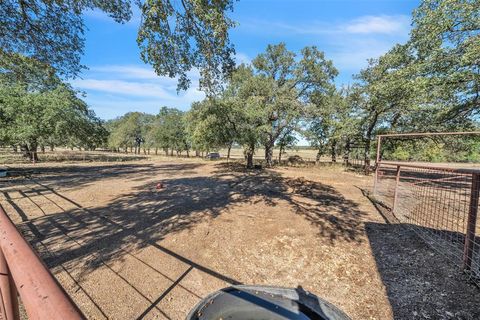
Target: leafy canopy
x,y
174,36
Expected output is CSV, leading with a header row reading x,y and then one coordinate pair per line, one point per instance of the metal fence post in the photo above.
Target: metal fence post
x,y
395,194
471,222
9,305
377,164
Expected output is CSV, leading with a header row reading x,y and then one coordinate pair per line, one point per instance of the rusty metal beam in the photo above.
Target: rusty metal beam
x,y
428,134
425,166
41,294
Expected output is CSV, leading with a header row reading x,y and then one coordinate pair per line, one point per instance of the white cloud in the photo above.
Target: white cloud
x,y
382,24
115,89
127,71
130,88
352,54
378,25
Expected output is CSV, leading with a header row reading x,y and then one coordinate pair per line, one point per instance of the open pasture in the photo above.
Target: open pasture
x,y
124,249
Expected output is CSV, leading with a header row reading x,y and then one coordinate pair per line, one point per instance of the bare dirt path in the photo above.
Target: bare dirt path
x,y
125,250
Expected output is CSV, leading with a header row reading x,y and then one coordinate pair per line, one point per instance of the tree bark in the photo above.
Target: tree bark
x,y
249,156
333,151
280,154
368,141
346,156
33,151
249,160
269,151
366,156
228,151
25,150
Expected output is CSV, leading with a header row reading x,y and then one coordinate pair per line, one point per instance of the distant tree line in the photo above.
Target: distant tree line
x,y
430,83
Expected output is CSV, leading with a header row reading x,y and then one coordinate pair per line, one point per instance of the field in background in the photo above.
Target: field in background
x,y
306,154
59,154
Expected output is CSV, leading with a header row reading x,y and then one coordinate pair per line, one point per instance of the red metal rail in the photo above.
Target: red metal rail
x,y
22,269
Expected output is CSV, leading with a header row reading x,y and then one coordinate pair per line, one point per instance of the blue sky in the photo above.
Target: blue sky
x,y
348,31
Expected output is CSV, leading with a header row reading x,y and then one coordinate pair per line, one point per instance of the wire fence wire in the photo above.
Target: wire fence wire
x,y
441,204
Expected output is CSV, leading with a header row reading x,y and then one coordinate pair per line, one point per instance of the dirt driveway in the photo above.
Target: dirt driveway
x,y
125,250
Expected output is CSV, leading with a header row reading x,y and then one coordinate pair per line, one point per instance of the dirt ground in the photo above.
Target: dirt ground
x,y
126,250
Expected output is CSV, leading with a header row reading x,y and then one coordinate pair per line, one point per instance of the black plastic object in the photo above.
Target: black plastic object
x,y
261,302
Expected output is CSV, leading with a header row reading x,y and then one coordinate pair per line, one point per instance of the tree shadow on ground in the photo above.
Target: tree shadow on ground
x,y
146,215
78,175
421,283
87,239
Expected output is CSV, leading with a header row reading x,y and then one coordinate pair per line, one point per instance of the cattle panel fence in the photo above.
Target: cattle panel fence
x,y
441,203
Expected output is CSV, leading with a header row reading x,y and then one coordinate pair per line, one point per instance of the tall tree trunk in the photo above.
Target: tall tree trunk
x,y
320,153
228,151
25,150
269,151
249,159
249,152
42,147
366,156
333,150
346,156
171,152
188,153
156,150
197,153
280,154
52,147
33,151
368,142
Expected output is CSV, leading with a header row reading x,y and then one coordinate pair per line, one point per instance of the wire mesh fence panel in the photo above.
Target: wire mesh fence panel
x,y
441,204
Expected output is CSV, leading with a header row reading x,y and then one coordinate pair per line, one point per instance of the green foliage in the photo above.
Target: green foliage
x,y
164,131
446,42
53,117
173,38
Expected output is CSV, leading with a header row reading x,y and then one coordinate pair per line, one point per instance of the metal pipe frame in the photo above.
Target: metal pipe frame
x,y
22,269
427,134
